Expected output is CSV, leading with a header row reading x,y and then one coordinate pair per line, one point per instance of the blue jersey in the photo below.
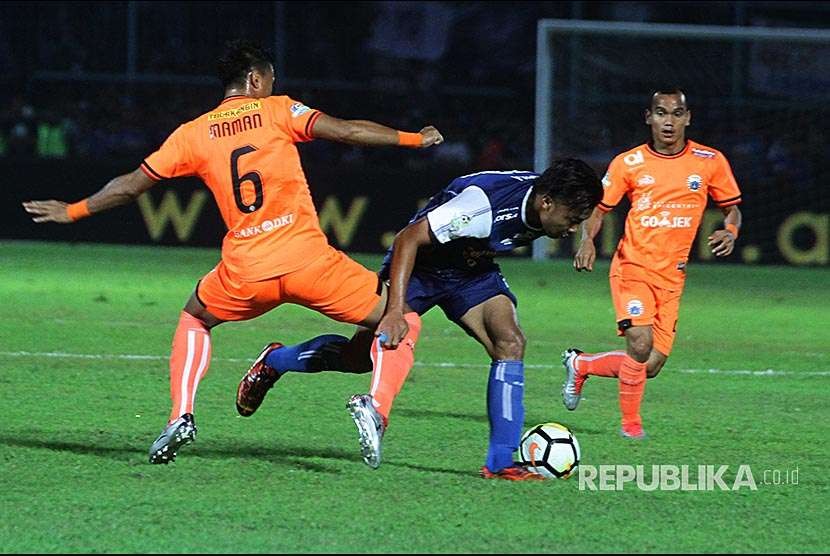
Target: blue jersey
x,y
472,219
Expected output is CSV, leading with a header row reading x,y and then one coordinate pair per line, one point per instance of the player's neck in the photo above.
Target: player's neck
x,y
668,149
236,92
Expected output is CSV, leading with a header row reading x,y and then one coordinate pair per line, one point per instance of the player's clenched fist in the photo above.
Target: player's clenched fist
x,y
431,136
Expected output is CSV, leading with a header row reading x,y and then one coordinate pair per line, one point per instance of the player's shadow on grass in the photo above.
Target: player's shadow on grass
x,y
292,456
432,414
94,447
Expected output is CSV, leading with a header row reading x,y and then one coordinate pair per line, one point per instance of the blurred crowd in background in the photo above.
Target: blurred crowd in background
x,y
93,80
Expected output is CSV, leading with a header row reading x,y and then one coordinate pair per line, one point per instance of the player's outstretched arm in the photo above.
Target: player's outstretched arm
x,y
366,133
406,246
722,242
119,191
587,253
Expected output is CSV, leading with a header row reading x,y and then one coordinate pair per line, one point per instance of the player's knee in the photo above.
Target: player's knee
x,y
654,368
639,348
510,347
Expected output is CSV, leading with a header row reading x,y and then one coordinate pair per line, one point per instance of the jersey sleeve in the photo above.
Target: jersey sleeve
x,y
722,187
469,214
296,119
614,185
173,159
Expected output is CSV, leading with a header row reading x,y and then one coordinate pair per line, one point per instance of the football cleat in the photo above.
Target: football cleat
x,y
255,384
178,433
370,428
513,473
572,388
634,432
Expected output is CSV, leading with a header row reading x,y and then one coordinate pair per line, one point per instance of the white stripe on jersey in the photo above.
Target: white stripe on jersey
x,y
469,214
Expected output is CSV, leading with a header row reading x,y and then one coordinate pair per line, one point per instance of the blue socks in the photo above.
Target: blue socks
x,y
317,354
505,391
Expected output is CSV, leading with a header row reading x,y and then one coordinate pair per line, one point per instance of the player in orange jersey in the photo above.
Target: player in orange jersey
x,y
667,182
274,251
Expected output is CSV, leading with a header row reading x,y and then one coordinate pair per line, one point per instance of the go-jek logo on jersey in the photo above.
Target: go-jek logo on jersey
x,y
634,159
694,182
634,307
663,221
645,179
298,109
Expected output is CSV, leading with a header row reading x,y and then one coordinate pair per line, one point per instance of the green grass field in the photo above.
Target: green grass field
x,y
84,337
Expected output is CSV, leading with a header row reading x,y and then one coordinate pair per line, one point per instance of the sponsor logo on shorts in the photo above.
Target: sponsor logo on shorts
x,y
681,266
694,182
634,307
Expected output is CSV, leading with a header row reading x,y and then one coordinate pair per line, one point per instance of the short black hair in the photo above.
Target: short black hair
x,y
571,182
674,90
239,57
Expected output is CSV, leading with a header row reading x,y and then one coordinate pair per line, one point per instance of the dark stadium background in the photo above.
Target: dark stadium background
x,y
90,88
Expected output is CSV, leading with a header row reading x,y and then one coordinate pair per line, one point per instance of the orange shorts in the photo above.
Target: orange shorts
x,y
641,304
333,285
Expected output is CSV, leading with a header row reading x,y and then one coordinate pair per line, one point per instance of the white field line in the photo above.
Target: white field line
x,y
439,364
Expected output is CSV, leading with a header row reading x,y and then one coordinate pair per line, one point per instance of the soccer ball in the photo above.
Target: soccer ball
x,y
551,450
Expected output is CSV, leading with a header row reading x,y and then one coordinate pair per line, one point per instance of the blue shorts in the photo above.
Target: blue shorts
x,y
455,295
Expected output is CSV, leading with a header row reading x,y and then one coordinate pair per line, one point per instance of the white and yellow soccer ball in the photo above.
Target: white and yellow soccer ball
x,y
551,450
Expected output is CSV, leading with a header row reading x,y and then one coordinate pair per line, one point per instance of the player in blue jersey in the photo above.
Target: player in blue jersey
x,y
444,258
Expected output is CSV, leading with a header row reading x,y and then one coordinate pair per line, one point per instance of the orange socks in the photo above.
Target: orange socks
x,y
390,367
600,364
189,362
632,386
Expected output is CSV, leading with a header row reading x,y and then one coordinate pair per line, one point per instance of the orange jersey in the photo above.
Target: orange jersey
x,y
244,152
668,195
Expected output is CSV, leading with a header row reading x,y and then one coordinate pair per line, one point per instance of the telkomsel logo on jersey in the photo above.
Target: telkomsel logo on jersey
x,y
234,112
665,220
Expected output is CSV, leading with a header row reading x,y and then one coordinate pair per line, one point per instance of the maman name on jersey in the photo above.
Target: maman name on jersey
x,y
663,221
239,125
